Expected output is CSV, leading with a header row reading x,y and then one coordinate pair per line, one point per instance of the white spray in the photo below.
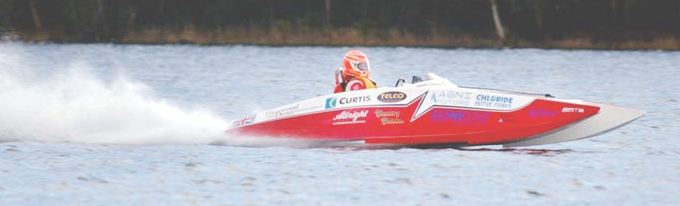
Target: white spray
x,y
76,106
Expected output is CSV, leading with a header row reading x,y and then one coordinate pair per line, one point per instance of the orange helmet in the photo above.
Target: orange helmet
x,y
355,64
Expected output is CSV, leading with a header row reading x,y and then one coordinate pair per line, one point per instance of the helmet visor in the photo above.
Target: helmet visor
x,y
362,66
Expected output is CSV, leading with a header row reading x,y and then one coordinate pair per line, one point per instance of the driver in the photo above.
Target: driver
x,y
354,73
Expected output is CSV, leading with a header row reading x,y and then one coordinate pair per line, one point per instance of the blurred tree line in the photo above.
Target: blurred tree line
x,y
520,20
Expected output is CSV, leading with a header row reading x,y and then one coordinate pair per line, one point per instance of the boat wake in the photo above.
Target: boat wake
x,y
74,105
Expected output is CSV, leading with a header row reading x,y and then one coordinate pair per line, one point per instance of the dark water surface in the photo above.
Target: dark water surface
x,y
130,124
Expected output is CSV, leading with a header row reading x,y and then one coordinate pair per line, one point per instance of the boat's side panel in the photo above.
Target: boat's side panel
x,y
420,117
478,127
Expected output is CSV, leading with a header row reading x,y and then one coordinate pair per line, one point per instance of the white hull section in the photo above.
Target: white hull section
x,y
609,118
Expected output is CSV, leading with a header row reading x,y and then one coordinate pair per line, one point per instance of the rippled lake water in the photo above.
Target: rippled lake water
x,y
142,124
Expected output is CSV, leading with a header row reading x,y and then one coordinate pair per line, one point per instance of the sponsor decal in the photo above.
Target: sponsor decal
x,y
572,110
283,112
541,113
462,117
245,121
388,117
391,96
493,101
331,102
334,101
350,117
451,98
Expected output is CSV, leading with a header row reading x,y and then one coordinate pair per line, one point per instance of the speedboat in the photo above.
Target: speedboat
x,y
434,111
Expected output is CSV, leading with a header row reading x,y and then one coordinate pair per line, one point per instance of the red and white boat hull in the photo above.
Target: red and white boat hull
x,y
436,112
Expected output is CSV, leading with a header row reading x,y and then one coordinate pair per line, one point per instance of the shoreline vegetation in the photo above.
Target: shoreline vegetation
x,y
347,37
554,24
